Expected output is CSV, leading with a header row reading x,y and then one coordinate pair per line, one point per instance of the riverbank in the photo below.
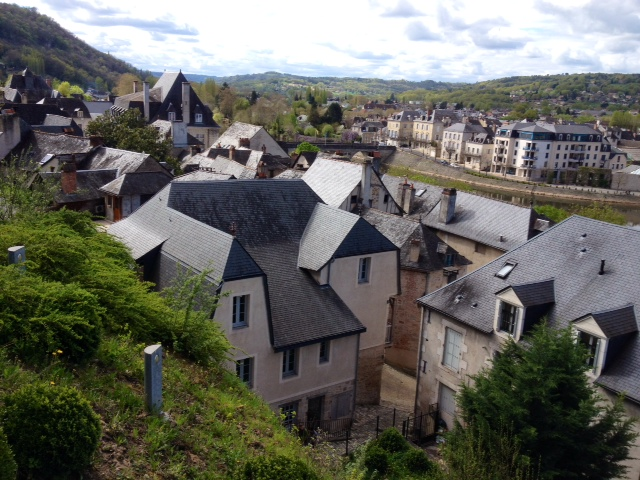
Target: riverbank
x,y
428,166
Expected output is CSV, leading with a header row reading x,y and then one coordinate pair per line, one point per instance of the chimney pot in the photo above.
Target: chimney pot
x,y
447,205
69,177
601,268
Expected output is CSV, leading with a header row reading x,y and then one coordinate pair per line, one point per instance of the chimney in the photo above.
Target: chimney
x,y
407,196
135,86
186,106
601,272
96,141
145,89
365,183
414,251
244,142
264,148
447,205
24,97
69,179
232,152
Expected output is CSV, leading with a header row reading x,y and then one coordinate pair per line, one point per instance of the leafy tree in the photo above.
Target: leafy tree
x,y
254,97
540,393
531,115
129,131
333,114
327,131
125,84
307,147
65,89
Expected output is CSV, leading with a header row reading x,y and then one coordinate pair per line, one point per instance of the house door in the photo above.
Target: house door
x,y
117,209
314,411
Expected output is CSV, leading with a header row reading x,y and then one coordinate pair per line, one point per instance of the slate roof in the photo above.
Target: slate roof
x,y
334,233
570,253
534,293
486,220
237,130
224,166
426,199
40,144
143,183
202,175
291,173
614,323
269,219
333,180
124,160
401,231
194,243
88,185
34,113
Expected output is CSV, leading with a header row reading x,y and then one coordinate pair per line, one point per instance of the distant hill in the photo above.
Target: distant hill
x,y
30,39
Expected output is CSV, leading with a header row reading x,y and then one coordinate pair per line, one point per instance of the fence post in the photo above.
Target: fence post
x,y
377,425
394,418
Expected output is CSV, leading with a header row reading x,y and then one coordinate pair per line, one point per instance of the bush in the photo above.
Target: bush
x,y
417,461
375,458
277,468
392,441
52,430
8,466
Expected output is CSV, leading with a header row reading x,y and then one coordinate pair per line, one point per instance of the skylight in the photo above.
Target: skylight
x,y
506,270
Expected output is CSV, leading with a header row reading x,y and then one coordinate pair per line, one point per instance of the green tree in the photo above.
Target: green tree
x,y
540,393
307,147
333,114
129,131
327,131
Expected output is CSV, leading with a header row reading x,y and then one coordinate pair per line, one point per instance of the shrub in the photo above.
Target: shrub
x,y
8,466
277,468
52,430
392,441
375,458
417,461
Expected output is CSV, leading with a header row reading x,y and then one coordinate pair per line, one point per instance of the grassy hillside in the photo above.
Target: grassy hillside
x,y
28,38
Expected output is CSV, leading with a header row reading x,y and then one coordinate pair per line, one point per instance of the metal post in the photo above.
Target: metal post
x,y
153,378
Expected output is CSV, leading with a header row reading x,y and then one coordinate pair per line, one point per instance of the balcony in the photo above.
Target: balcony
x,y
532,148
530,157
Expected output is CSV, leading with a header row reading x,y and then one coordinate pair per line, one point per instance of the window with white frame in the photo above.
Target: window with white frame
x,y
508,318
594,346
240,314
198,118
364,267
289,363
244,370
323,356
171,116
452,349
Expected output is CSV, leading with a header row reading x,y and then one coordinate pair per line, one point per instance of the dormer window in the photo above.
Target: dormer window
x,y
171,116
519,307
508,318
593,345
198,118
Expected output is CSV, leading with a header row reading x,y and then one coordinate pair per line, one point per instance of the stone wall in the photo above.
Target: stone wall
x,y
332,394
370,362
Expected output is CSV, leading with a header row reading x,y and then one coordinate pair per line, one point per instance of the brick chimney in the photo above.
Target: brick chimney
x,y
447,205
232,152
244,142
407,195
69,179
186,105
96,141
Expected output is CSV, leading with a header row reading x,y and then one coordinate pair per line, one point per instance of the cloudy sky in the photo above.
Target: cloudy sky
x,y
466,40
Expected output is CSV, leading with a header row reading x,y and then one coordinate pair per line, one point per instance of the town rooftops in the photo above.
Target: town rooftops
x,y
593,274
333,180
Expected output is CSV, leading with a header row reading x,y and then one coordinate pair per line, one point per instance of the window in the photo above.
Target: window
x,y
363,270
506,270
508,318
447,400
324,352
171,116
452,345
593,347
449,259
289,367
289,411
198,118
244,370
240,311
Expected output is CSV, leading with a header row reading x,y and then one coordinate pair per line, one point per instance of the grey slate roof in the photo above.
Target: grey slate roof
x,y
569,253
224,166
40,144
144,183
237,130
124,160
335,233
193,243
620,321
402,231
427,196
333,180
202,175
88,185
291,173
269,219
535,293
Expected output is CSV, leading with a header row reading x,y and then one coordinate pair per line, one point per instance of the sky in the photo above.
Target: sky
x,y
461,41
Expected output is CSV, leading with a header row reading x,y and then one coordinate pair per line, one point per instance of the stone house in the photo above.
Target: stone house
x,y
252,137
300,277
574,274
455,138
400,127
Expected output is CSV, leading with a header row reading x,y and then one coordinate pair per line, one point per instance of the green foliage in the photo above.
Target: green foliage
x,y
595,210
327,131
21,191
193,333
307,147
278,467
416,460
38,318
376,458
53,430
333,113
559,426
392,441
8,465
129,131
